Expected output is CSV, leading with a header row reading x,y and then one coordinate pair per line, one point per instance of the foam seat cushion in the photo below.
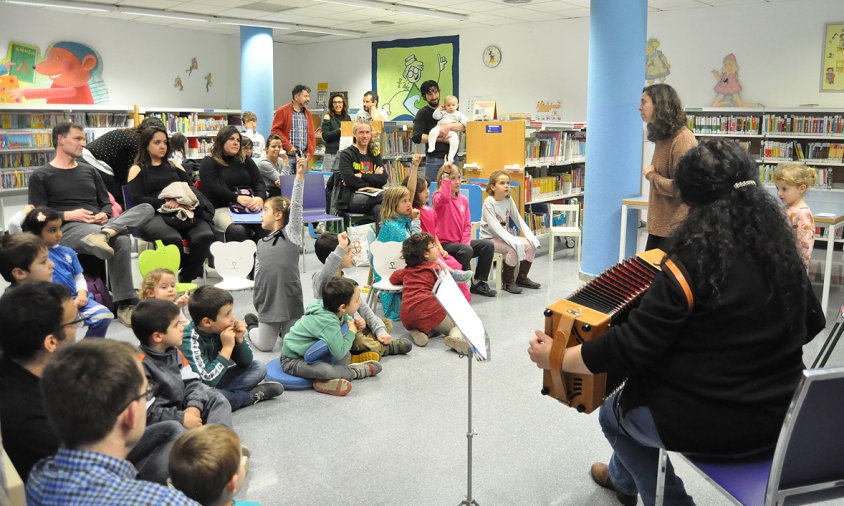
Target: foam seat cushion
x,y
275,373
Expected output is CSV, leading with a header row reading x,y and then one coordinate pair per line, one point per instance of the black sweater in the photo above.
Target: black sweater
x,y
118,149
69,189
331,133
220,182
149,182
352,162
718,380
422,124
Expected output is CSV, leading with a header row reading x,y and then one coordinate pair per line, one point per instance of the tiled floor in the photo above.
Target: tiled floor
x,y
400,438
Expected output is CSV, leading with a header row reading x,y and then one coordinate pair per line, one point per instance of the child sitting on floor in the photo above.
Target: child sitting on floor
x,y
180,394
161,284
329,320
206,464
46,223
25,257
421,312
398,222
373,334
214,345
278,289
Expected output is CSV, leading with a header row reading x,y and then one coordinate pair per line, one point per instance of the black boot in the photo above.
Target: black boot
x,y
508,283
523,280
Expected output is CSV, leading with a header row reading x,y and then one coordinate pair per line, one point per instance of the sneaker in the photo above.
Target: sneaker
x,y
320,228
511,287
457,344
245,453
251,321
462,276
419,338
481,288
124,314
365,369
528,283
266,390
400,346
600,475
366,356
99,241
339,387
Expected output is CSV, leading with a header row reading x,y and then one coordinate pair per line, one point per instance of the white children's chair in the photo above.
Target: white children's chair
x,y
497,267
570,229
386,259
233,262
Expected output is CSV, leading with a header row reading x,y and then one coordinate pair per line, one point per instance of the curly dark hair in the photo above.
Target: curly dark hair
x,y
669,116
414,247
725,222
422,184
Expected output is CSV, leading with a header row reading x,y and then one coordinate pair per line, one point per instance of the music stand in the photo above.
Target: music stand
x,y
458,308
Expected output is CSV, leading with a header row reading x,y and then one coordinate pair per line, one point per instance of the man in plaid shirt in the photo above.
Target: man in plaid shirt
x,y
293,123
96,395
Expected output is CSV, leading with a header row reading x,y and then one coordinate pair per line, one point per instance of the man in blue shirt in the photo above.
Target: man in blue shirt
x,y
96,394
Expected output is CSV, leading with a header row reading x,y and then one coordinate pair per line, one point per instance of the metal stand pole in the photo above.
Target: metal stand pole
x,y
469,501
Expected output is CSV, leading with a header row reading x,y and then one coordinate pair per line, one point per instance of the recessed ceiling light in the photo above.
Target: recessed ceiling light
x,y
382,22
516,2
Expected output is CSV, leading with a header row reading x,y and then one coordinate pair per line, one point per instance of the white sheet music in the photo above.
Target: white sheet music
x,y
461,312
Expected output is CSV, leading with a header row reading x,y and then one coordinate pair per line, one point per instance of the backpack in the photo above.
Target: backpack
x,y
99,292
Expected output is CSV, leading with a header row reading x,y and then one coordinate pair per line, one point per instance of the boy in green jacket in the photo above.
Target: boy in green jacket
x,y
329,320
216,350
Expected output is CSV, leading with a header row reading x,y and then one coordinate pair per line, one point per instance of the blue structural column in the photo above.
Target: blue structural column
x,y
256,75
617,33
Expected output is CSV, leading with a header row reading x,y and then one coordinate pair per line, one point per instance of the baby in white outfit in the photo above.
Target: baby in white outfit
x,y
447,114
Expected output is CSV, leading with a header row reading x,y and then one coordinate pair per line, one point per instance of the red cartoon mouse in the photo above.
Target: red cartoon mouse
x,y
71,66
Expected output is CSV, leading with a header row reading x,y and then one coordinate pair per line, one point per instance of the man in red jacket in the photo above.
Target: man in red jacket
x,y
292,122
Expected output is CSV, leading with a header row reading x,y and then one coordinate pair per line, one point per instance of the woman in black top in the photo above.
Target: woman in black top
x,y
360,169
152,173
717,377
337,113
225,178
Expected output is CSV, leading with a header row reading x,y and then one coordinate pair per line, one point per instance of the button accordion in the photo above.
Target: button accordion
x,y
590,312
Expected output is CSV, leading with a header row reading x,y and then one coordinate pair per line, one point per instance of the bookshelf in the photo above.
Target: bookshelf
x,y
777,136
200,126
545,159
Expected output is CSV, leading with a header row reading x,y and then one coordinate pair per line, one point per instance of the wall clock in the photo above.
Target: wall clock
x,y
492,56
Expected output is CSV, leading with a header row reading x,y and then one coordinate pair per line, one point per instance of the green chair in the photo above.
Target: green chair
x,y
167,257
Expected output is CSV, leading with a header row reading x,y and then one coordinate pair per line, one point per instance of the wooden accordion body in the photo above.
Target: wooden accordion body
x,y
587,314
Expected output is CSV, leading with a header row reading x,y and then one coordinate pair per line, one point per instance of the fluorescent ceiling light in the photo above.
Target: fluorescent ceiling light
x,y
82,6
329,31
249,22
183,16
408,9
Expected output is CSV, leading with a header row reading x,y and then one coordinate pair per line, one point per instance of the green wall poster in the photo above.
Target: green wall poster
x,y
399,67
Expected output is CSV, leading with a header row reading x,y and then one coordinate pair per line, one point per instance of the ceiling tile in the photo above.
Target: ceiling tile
x,y
674,4
201,8
152,4
561,10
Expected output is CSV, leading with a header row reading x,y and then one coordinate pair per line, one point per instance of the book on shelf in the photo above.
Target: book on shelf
x,y
10,120
15,178
723,124
396,171
829,124
22,159
484,110
766,175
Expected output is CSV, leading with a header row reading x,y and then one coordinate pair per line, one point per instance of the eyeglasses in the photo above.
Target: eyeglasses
x,y
75,323
148,395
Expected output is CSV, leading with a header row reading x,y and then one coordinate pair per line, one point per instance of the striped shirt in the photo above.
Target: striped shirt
x,y
83,478
299,130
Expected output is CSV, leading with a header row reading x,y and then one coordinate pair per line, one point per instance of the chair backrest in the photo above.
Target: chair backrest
x,y
810,450
475,195
167,257
127,198
313,198
386,257
233,259
570,211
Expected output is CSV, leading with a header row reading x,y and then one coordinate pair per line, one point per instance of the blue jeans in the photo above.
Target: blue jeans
x,y
151,454
238,382
636,444
432,166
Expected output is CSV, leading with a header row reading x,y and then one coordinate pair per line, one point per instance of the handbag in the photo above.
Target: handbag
x,y
236,208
